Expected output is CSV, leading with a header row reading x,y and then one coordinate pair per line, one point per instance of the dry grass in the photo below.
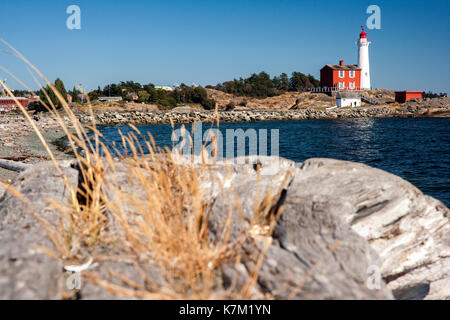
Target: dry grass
x,y
281,102
158,219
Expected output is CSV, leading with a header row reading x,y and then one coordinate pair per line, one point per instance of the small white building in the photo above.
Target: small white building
x,y
348,99
110,99
165,88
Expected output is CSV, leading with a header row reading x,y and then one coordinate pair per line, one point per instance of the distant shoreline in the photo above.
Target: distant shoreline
x,y
18,140
124,117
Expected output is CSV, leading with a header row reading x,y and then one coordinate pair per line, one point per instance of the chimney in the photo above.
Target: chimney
x,y
341,62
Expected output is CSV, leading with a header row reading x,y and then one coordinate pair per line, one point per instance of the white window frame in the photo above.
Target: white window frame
x,y
351,85
341,85
352,73
341,73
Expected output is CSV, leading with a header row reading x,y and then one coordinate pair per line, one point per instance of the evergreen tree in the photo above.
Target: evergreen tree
x,y
284,82
298,81
59,86
144,96
93,95
262,86
75,97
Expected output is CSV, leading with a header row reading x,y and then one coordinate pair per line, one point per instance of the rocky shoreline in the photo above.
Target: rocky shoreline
x,y
111,118
18,141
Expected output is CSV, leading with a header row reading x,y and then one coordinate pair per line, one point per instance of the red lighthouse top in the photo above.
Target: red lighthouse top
x,y
363,34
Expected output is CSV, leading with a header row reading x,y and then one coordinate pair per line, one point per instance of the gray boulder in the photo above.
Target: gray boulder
x,y
26,272
301,253
339,221
313,254
437,102
409,230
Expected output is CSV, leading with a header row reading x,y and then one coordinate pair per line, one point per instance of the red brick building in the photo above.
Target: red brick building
x,y
404,96
7,103
341,76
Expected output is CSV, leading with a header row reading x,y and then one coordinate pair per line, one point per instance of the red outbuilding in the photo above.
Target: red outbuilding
x,y
404,96
341,76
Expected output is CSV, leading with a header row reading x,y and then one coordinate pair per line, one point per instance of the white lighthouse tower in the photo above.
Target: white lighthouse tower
x,y
363,60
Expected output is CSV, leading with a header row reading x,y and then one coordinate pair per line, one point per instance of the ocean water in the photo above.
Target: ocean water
x,y
416,149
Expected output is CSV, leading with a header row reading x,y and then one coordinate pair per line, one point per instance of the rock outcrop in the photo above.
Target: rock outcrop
x,y
313,254
26,272
340,222
409,230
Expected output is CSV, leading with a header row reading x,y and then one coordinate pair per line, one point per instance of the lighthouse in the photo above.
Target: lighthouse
x,y
363,60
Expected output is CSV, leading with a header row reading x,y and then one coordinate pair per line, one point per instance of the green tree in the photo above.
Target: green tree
x,y
314,82
59,86
144,96
284,82
262,86
297,81
276,82
93,95
44,92
75,97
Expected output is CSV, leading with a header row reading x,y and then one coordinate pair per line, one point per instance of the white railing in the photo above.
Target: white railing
x,y
329,89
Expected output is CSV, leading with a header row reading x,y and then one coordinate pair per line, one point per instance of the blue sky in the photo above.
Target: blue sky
x,y
206,42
